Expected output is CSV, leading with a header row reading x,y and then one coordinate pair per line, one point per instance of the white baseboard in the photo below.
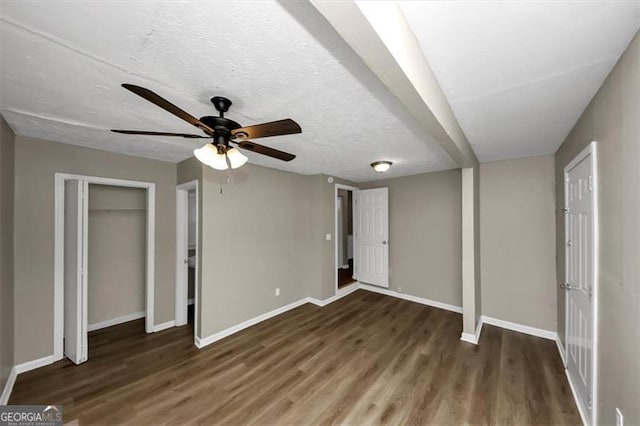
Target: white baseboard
x,y
8,386
116,321
342,292
22,368
538,332
423,301
200,343
473,338
164,326
32,365
561,351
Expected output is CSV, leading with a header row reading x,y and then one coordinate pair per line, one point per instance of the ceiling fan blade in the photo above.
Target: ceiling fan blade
x,y
265,150
168,106
139,132
274,128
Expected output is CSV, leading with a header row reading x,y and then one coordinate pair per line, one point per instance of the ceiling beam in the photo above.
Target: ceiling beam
x,y
380,34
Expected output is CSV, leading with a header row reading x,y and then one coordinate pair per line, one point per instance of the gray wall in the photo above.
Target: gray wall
x,y
612,120
36,162
6,251
256,236
117,252
425,235
517,236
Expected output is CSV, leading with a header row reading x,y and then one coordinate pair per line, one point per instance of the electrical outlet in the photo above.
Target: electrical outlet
x,y
399,289
278,291
619,417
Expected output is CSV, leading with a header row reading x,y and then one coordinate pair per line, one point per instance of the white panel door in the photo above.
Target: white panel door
x,y
372,236
76,212
579,280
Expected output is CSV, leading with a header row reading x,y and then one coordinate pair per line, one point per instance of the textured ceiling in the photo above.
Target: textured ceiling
x,y
517,74
63,63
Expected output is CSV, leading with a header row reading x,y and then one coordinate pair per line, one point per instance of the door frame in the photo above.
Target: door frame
x,y
182,245
589,151
336,261
58,262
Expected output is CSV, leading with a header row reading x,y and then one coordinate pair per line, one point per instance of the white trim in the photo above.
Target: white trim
x,y
423,301
525,329
583,417
115,321
473,338
58,269
344,291
563,357
338,262
589,150
181,288
8,387
164,326
36,363
200,343
182,243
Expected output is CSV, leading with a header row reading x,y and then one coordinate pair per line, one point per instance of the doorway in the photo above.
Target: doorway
x,y
581,276
187,254
71,256
345,236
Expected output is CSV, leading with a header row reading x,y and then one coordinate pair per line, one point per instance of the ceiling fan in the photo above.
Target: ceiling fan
x,y
217,153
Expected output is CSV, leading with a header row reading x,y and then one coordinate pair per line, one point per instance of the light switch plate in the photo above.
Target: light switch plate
x,y
278,291
328,237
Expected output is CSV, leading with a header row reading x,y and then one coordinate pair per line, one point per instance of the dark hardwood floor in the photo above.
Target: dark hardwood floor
x,y
366,358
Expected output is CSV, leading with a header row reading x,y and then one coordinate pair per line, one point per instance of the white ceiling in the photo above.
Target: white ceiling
x,y
519,74
63,63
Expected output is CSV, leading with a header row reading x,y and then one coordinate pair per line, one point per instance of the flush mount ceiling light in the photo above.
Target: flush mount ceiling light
x,y
381,166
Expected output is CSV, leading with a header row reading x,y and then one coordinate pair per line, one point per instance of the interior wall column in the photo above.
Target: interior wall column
x,y
471,301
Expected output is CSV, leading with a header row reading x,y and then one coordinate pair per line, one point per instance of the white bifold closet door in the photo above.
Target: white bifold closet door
x,y
76,217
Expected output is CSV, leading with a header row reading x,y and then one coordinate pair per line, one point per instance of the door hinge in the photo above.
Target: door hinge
x,y
590,401
590,293
590,183
566,210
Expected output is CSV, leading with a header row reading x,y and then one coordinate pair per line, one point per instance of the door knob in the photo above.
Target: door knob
x,y
384,242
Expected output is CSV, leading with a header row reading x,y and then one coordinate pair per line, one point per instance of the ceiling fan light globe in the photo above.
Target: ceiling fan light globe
x,y
208,155
236,158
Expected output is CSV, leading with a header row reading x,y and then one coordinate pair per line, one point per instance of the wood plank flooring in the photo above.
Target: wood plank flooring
x,y
364,359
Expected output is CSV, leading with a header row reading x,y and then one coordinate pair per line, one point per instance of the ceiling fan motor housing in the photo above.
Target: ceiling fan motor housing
x,y
222,128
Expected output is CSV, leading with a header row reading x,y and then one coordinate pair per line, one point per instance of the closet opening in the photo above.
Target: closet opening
x,y
187,264
103,263
345,236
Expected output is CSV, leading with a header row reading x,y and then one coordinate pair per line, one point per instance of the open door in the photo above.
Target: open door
x,y
580,321
372,236
76,212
